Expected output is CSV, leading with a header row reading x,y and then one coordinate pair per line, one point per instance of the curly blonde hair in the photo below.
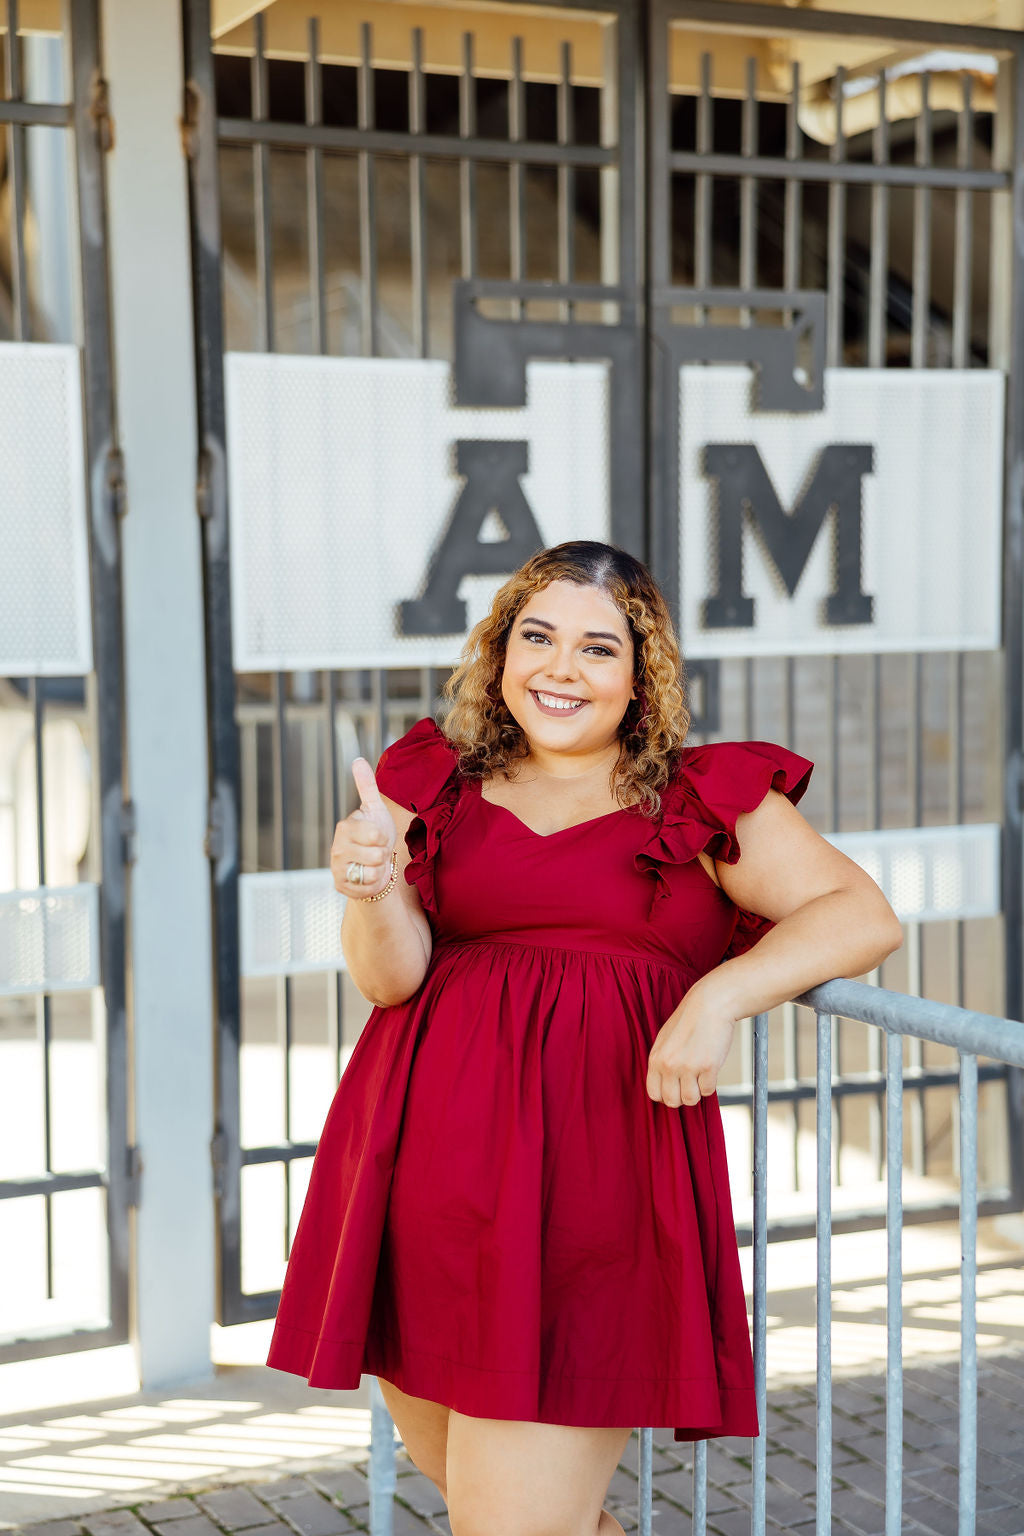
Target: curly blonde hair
x,y
654,726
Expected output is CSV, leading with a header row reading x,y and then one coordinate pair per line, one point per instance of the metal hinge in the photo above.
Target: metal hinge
x,y
213,842
188,122
117,488
99,111
219,1158
127,826
203,483
134,1177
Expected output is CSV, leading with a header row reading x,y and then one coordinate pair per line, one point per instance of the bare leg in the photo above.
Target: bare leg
x,y
510,1477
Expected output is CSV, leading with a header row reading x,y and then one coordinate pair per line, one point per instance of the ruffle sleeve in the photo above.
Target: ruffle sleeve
x,y
713,785
420,771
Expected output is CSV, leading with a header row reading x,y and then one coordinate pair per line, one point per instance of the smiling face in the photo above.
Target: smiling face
x,y
568,675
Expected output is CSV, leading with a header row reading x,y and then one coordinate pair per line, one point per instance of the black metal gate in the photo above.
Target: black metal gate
x,y
52,996
612,202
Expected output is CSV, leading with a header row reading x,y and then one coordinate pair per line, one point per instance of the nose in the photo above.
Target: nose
x,y
561,662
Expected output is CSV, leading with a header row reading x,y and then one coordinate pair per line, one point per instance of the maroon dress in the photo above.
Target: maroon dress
x,y
499,1217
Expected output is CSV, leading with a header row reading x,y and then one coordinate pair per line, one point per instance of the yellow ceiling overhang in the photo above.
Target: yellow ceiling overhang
x,y
590,35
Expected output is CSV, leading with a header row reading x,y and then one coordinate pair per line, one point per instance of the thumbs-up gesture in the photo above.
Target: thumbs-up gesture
x,y
365,838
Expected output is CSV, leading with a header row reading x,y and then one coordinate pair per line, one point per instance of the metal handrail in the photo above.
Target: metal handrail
x,y
980,1034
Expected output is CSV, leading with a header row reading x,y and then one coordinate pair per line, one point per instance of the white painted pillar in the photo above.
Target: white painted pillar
x,y
169,894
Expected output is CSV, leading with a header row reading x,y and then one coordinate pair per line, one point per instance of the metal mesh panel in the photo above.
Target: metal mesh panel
x,y
45,628
931,510
49,939
289,921
930,873
341,482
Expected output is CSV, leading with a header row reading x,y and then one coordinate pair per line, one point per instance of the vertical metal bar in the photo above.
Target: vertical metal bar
x,y
1007,343
383,1472
748,188
747,1059
919,1146
16,181
837,1103
44,1008
792,215
516,176
315,193
878,291
964,251
418,202
790,1016
835,752
875,1142
702,186
261,188
823,1226
366,115
790,1051
379,687
837,236
221,691
968,1468
874,807
699,1522
566,181
467,168
922,237
336,993
894,1283
760,1258
284,984
82,29
645,1459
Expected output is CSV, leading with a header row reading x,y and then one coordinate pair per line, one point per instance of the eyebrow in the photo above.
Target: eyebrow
x,y
590,634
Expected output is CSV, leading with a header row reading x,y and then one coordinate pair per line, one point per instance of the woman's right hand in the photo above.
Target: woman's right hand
x,y
366,837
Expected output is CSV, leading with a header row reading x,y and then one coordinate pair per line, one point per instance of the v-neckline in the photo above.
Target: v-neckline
x,y
605,815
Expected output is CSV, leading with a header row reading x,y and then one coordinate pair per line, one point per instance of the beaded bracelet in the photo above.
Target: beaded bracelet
x,y
394,876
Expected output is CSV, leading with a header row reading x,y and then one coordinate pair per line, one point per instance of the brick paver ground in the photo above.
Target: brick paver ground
x,y
333,1499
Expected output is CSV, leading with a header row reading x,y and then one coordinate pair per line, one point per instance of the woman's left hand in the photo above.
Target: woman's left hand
x,y
690,1049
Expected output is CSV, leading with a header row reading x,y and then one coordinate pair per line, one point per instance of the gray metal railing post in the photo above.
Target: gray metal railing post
x,y
894,1284
382,1463
823,1509
968,1459
759,1466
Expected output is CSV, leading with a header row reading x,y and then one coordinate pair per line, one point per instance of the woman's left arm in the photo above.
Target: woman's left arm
x,y
830,917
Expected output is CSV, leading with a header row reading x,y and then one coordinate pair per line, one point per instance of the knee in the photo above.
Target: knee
x,y
477,1517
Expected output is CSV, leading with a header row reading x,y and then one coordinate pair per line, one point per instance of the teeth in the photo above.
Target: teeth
x,y
553,703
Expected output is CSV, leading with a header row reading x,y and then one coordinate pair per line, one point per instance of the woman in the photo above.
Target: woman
x,y
519,1216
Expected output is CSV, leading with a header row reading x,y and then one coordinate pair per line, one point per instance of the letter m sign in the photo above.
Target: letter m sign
x,y
787,538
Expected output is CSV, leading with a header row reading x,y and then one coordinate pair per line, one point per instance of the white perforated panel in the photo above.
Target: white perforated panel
x,y
932,510
49,939
45,627
289,922
928,873
341,479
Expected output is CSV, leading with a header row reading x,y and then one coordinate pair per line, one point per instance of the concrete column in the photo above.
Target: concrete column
x,y
169,898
